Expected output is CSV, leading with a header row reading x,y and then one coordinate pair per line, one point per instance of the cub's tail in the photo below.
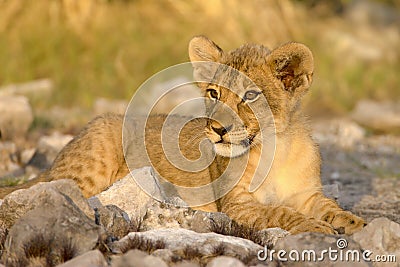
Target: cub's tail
x,y
4,191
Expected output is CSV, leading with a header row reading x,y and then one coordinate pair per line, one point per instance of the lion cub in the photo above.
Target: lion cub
x,y
290,196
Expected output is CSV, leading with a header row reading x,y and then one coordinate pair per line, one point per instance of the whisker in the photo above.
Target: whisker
x,y
194,137
172,134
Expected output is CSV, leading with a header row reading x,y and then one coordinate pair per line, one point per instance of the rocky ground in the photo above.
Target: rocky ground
x,y
51,223
366,168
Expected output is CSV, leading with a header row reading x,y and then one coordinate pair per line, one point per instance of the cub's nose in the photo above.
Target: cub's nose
x,y
221,130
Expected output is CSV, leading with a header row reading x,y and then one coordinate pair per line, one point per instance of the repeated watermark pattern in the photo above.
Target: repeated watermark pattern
x,y
340,253
135,141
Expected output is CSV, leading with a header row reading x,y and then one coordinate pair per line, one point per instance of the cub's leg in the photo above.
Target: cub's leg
x,y
242,207
320,207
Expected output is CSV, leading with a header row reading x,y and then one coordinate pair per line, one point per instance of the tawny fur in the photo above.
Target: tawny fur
x,y
290,197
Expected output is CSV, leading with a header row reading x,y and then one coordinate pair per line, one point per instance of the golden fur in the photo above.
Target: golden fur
x,y
290,197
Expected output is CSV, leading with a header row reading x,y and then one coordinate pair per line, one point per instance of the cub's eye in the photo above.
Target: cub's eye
x,y
251,95
212,93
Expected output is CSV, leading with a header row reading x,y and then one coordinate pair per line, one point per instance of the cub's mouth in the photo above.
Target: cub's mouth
x,y
231,145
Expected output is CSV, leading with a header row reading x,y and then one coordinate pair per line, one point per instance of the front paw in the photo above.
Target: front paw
x,y
346,222
313,225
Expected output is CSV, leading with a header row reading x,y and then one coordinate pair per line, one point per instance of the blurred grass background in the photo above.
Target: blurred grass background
x,y
99,48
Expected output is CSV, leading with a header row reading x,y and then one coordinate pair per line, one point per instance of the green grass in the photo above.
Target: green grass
x,y
122,43
11,181
384,173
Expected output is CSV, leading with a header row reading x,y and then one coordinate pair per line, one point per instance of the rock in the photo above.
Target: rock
x,y
341,132
52,144
382,237
19,202
135,258
188,245
332,191
3,237
48,148
381,117
186,264
372,13
353,47
164,215
313,249
204,222
114,220
178,96
165,254
68,118
103,105
382,200
128,196
31,172
366,174
35,89
16,116
92,258
149,214
269,237
163,96
55,229
8,158
225,261
27,154
220,223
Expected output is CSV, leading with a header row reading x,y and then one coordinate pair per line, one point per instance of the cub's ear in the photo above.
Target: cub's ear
x,y
292,67
203,49
203,54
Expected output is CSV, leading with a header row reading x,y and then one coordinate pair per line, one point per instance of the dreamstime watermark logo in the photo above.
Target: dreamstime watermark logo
x,y
339,253
153,140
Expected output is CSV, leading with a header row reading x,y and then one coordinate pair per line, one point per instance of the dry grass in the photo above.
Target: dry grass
x,y
108,48
42,250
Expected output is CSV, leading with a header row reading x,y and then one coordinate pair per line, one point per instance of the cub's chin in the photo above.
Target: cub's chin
x,y
230,150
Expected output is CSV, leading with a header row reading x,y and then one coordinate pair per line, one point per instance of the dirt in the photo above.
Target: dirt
x,y
367,173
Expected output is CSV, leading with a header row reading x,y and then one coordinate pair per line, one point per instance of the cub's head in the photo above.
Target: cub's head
x,y
249,91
